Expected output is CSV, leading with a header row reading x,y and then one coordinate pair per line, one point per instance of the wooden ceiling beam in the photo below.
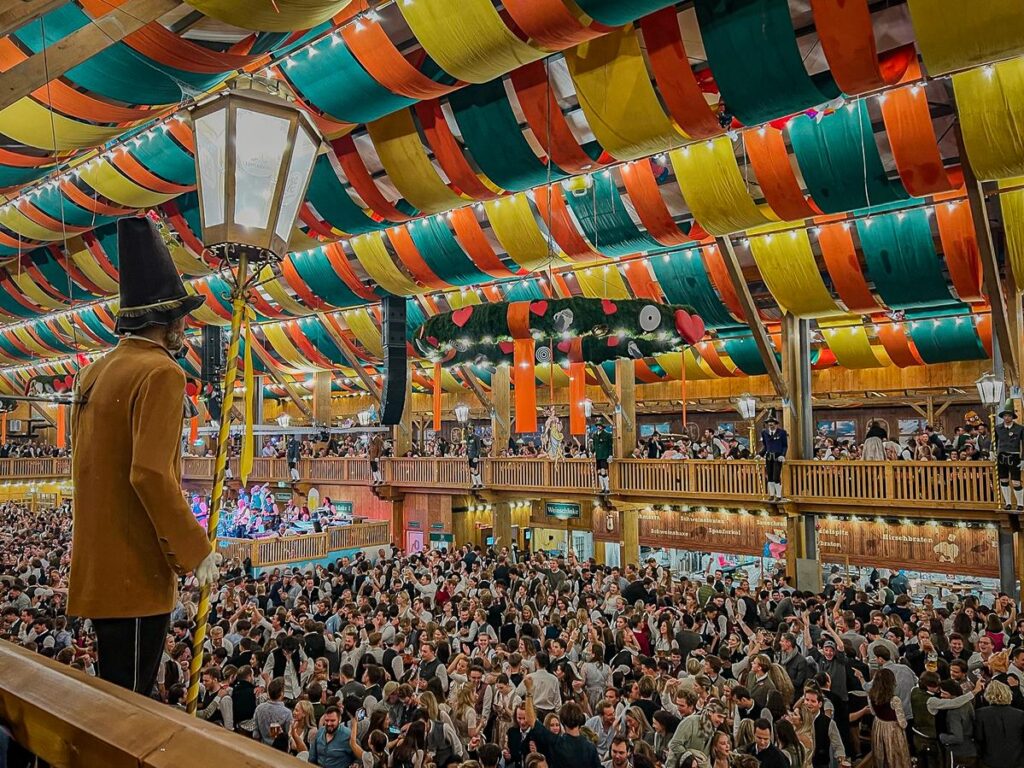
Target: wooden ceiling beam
x,y
78,47
20,13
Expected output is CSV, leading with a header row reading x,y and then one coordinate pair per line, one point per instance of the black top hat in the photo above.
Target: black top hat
x,y
771,418
151,289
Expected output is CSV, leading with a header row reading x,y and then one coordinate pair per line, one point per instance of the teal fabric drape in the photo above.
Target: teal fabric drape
x,y
944,339
491,132
334,204
96,326
840,162
333,81
165,157
316,272
684,280
58,277
743,352
901,260
443,254
617,13
519,292
751,47
604,220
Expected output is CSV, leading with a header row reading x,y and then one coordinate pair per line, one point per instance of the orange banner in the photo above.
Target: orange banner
x,y
577,394
525,381
437,397
193,423
62,428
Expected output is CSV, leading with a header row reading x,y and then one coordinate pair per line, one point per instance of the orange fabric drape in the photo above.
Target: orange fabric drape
x,y
525,381
343,268
362,182
960,247
640,282
709,354
3,428
767,152
719,276
375,51
643,191
840,255
674,77
410,257
62,427
984,328
474,242
682,378
437,397
448,153
848,40
550,23
544,116
898,345
193,423
563,230
908,124
577,394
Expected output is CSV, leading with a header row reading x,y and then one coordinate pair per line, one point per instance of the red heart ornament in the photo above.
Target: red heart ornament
x,y
609,307
69,381
461,316
690,327
613,341
506,347
432,340
538,308
564,346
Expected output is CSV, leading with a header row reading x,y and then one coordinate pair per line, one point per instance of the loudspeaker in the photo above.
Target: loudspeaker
x,y
393,339
212,354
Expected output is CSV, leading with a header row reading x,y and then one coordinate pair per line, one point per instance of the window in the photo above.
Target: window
x,y
838,429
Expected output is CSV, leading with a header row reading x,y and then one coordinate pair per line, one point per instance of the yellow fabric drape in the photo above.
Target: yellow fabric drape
x,y
544,371
249,382
1012,204
279,295
284,348
696,369
787,265
952,34
16,221
990,101
299,241
460,299
30,288
28,122
84,260
715,191
616,95
515,224
28,341
267,16
602,282
113,185
851,346
467,38
364,327
374,256
401,153
74,332
449,383
187,262
204,315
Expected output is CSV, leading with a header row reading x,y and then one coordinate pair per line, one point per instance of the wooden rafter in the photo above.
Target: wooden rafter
x,y
15,14
78,47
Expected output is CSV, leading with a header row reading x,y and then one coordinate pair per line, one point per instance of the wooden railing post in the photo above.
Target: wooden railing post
x,y
889,481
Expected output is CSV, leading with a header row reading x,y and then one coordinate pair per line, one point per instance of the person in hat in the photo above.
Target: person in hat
x,y
602,443
1009,436
133,533
474,450
774,445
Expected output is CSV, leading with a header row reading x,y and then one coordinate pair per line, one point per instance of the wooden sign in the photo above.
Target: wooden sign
x,y
919,546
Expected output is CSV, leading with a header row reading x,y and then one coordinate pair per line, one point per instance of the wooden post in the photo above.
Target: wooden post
x,y
625,410
398,522
501,525
501,415
322,397
798,421
403,431
630,517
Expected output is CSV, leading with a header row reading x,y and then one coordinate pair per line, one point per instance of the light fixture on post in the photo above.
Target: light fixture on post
x,y
462,413
588,411
284,420
990,390
254,155
365,417
747,407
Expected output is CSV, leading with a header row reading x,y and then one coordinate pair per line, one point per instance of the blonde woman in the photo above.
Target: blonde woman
x,y
303,728
464,714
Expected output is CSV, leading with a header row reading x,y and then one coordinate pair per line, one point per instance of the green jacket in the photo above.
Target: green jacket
x,y
602,445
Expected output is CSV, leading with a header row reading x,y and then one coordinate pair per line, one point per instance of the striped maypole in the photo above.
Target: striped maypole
x,y
219,474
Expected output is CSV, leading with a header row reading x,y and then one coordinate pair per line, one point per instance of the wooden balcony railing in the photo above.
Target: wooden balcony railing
x,y
67,718
311,546
938,485
941,484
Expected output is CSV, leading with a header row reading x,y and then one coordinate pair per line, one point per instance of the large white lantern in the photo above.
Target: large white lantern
x,y
990,390
747,406
365,417
462,413
255,150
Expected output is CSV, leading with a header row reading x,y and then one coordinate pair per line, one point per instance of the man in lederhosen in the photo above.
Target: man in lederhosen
x,y
774,445
474,449
1009,436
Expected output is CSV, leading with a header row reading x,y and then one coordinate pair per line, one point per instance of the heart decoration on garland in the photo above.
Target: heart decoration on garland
x,y
608,307
461,316
538,308
690,327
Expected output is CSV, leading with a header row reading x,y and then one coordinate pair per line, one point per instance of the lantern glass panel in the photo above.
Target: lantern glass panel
x,y
303,157
210,144
260,143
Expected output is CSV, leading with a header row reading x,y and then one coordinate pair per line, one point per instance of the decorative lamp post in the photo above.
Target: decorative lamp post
x,y
284,420
254,153
990,390
462,413
588,411
747,406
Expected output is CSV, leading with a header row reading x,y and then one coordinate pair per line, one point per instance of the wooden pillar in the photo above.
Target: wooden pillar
x,y
501,525
798,421
403,430
398,522
322,397
599,554
625,411
257,401
501,414
630,519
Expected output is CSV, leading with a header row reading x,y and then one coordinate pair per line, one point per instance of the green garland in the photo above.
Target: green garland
x,y
607,329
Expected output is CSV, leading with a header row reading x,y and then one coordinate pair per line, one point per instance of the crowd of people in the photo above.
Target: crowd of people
x,y
31,449
486,659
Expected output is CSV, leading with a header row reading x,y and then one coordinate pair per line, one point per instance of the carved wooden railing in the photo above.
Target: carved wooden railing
x,y
941,484
35,468
686,479
310,546
541,474
427,472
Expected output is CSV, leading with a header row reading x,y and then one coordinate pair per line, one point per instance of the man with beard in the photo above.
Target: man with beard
x,y
133,533
331,748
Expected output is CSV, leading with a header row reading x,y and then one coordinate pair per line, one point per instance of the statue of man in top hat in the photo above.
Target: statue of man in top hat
x,y
1009,436
134,534
774,445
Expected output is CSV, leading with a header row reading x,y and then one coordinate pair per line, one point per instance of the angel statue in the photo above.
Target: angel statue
x,y
553,436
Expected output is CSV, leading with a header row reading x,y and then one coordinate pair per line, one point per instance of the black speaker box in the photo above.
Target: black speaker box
x,y
393,339
212,354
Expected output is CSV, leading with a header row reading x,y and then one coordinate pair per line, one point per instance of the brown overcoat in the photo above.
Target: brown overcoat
x,y
133,532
